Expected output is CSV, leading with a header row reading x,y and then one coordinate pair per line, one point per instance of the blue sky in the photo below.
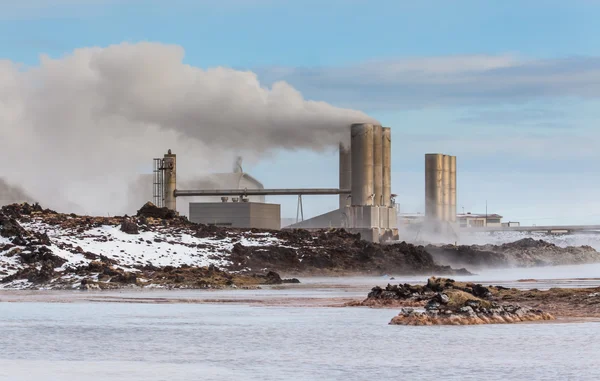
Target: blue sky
x,y
510,87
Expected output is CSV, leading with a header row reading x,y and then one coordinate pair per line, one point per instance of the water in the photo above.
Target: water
x,y
122,341
85,337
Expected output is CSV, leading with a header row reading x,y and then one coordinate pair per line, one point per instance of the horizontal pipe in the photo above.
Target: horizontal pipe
x,y
261,192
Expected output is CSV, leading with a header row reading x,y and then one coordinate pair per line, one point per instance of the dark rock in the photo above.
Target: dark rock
x,y
481,292
272,278
149,210
130,227
432,305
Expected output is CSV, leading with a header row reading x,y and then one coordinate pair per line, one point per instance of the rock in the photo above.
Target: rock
x,y
149,210
130,227
432,305
272,278
441,298
10,227
481,292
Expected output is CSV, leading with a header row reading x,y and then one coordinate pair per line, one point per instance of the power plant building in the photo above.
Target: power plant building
x,y
238,214
366,203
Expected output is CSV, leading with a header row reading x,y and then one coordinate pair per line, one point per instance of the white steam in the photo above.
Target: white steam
x,y
80,128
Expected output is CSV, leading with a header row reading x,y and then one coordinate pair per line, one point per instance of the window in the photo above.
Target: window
x,y
493,220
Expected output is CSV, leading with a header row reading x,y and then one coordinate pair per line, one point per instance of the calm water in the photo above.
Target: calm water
x,y
131,341
93,339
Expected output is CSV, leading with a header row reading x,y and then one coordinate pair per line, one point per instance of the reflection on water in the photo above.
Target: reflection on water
x,y
122,341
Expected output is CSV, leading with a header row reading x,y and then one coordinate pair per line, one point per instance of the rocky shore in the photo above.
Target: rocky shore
x,y
526,252
40,248
444,301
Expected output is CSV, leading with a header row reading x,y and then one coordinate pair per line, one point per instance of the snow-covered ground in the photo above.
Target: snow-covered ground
x,y
159,247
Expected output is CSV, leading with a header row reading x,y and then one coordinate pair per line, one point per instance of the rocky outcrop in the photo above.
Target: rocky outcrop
x,y
337,251
456,307
526,252
36,236
471,313
149,210
129,226
402,295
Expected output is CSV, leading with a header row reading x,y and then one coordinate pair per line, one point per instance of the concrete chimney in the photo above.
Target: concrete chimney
x,y
362,164
446,188
434,169
387,166
452,205
170,179
377,165
345,173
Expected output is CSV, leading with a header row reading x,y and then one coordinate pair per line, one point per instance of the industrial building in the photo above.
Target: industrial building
x,y
440,190
366,204
239,214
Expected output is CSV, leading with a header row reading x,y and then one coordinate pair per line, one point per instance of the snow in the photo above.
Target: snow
x,y
160,247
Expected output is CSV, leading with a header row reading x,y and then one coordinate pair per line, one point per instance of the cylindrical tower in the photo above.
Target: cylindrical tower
x,y
452,189
170,179
345,173
446,189
362,163
377,165
387,166
434,169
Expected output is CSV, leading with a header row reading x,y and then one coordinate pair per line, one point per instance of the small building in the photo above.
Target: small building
x,y
410,218
472,220
236,214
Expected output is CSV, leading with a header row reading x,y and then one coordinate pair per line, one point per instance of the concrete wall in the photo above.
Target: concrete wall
x,y
362,163
387,165
237,214
377,166
345,172
434,169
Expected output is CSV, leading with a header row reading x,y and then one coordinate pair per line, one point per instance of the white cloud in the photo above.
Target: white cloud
x,y
445,81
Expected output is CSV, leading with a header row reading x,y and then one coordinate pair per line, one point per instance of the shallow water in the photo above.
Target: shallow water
x,y
114,341
135,337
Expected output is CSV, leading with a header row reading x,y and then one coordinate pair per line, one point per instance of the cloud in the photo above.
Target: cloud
x,y
81,127
543,118
412,83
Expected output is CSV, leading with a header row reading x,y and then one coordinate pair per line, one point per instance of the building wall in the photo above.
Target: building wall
x,y
237,214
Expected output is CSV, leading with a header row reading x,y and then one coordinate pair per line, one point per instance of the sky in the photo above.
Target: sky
x,y
511,88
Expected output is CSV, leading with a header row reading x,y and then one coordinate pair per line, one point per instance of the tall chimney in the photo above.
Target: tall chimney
x,y
170,179
434,168
345,173
387,166
362,163
377,165
446,188
452,205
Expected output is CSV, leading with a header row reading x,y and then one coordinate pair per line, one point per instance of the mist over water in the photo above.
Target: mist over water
x,y
123,341
563,240
77,130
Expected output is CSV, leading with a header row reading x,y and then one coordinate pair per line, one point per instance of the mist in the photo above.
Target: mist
x,y
79,129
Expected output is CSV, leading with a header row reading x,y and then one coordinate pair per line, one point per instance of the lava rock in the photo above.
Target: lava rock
x,y
130,227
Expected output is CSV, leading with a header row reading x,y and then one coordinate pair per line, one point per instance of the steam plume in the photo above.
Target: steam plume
x,y
81,127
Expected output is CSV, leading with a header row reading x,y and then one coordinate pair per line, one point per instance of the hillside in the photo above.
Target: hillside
x,y
40,248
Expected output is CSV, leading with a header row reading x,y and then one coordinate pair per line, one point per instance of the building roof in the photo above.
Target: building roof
x,y
478,215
